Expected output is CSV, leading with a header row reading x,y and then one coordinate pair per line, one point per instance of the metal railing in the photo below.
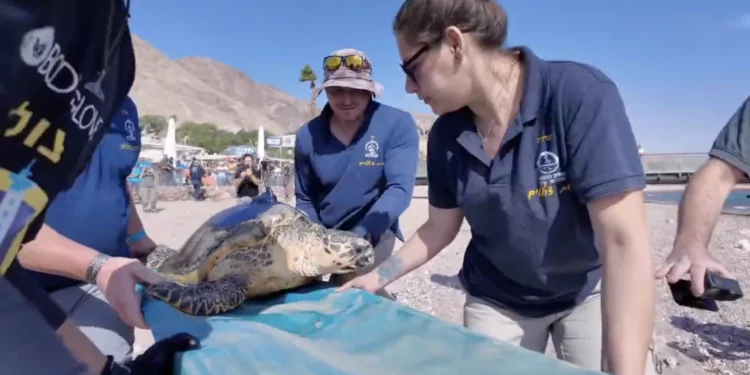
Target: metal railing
x,y
678,165
672,164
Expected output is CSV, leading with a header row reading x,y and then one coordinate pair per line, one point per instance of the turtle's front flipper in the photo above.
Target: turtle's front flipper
x,y
205,298
156,257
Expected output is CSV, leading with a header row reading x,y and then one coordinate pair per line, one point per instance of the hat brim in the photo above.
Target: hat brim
x,y
353,83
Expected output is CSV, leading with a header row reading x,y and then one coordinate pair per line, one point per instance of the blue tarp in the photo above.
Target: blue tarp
x,y
315,330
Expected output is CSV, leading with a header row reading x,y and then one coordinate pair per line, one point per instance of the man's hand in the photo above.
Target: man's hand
x,y
117,280
693,261
142,248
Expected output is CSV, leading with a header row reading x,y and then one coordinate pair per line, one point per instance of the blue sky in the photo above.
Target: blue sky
x,y
683,67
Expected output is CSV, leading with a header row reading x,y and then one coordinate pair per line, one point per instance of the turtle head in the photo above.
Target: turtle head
x,y
345,252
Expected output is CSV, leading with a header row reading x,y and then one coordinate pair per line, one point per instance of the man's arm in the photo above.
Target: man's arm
x,y
144,245
709,187
304,181
401,161
702,202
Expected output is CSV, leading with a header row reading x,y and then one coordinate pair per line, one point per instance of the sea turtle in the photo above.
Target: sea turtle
x,y
252,250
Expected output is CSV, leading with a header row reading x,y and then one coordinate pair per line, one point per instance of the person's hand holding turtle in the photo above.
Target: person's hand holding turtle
x,y
117,279
142,248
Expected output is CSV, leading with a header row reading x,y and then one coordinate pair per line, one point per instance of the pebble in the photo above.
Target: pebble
x,y
743,244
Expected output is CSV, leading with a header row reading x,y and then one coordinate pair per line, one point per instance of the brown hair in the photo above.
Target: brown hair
x,y
424,21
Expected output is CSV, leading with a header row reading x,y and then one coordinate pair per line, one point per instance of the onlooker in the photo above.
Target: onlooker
x,y
288,182
702,203
149,193
356,163
539,157
247,180
196,178
166,171
98,214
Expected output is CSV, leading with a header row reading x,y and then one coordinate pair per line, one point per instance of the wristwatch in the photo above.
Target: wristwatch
x,y
94,267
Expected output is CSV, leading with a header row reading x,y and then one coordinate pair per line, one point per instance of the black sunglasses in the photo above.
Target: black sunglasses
x,y
406,65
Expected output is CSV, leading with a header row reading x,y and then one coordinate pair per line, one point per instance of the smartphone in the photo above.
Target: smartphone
x,y
683,296
722,288
717,289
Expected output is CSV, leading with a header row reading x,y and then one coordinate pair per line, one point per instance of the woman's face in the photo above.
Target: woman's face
x,y
439,79
248,160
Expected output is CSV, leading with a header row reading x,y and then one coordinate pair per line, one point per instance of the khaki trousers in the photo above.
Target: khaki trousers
x,y
576,333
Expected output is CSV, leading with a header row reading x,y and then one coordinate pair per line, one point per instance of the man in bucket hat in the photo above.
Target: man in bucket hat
x,y
356,163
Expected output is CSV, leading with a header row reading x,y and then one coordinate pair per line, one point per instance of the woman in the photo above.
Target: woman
x,y
540,159
247,180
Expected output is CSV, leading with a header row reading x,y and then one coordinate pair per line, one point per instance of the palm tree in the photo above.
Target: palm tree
x,y
308,75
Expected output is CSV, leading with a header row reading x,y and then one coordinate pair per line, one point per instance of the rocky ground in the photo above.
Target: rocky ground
x,y
689,342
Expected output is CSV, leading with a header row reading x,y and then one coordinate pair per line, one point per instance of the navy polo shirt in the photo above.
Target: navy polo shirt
x,y
733,142
532,248
362,187
95,211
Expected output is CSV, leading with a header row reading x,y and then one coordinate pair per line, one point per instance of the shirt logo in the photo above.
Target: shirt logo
x,y
548,164
39,50
130,128
371,148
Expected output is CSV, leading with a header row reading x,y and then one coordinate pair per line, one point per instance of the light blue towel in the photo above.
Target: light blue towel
x,y
316,331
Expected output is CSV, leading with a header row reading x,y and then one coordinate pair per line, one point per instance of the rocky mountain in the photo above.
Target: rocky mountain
x,y
200,89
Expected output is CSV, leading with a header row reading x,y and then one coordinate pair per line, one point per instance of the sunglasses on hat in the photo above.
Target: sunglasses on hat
x,y
353,62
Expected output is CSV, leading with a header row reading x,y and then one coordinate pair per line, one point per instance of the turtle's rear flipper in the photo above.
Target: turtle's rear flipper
x,y
205,298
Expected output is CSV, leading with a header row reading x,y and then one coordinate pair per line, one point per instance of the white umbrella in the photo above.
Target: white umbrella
x,y
170,143
261,144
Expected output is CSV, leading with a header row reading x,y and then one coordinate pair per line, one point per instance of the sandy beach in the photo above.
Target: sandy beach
x,y
689,342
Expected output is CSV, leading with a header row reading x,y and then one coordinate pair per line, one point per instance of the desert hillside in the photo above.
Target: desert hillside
x,y
200,89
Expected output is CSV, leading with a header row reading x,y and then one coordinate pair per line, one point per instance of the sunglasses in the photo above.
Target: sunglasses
x,y
407,65
353,62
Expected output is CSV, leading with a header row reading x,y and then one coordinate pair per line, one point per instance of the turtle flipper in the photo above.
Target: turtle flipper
x,y
156,257
205,298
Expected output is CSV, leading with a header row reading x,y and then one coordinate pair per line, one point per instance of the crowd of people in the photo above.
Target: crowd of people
x,y
147,177
538,156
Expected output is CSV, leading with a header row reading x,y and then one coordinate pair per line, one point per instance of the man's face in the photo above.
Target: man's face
x,y
348,104
248,161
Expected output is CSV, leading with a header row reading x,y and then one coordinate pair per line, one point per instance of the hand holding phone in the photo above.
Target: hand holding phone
x,y
717,288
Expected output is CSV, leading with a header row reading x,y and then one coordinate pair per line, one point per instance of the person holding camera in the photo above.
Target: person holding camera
x,y
247,180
